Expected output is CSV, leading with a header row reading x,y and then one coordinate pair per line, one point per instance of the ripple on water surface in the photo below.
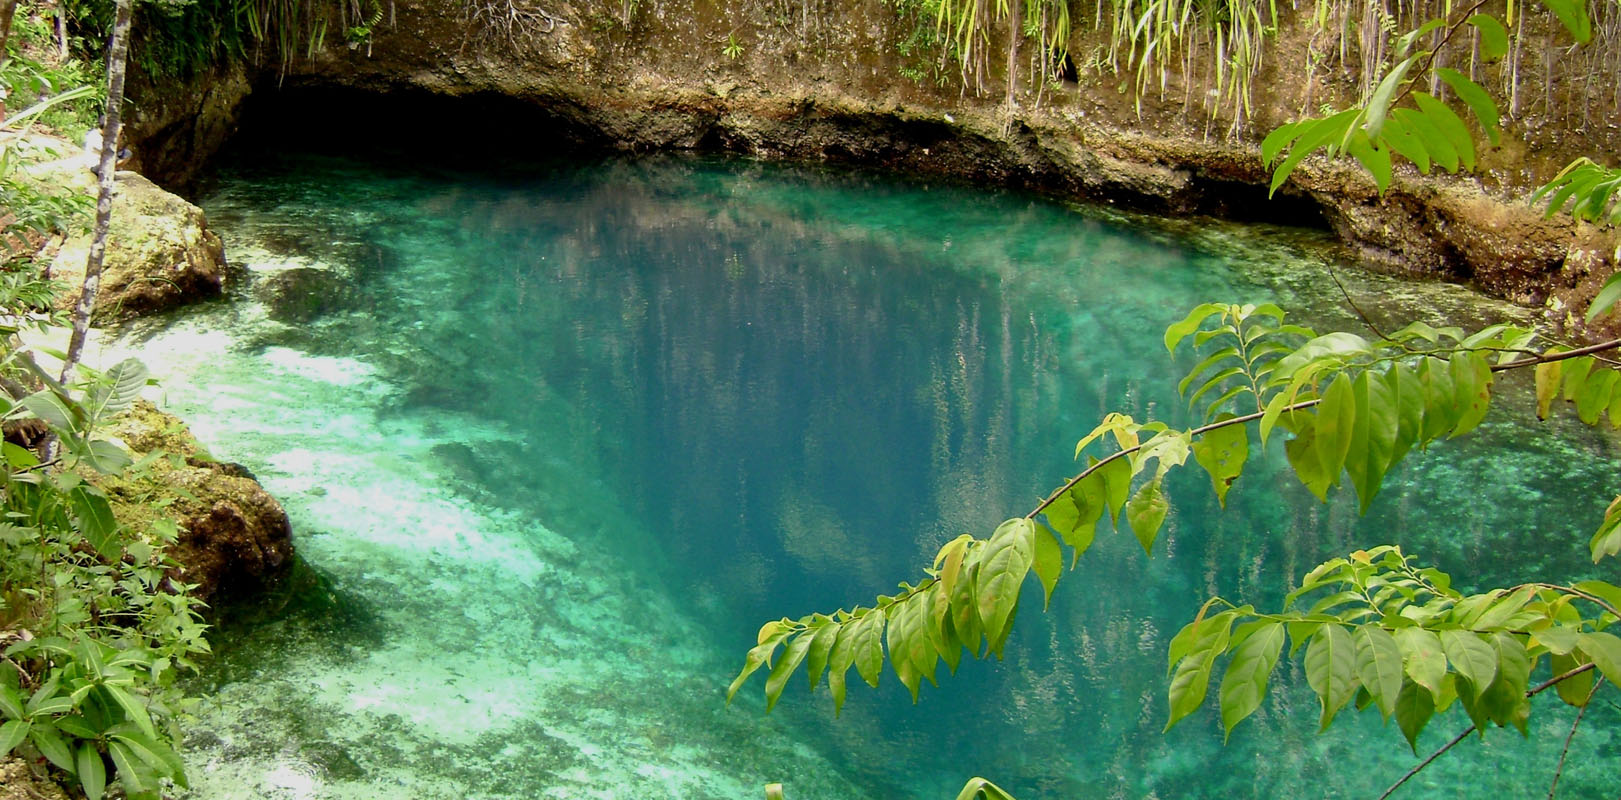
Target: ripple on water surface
x,y
554,442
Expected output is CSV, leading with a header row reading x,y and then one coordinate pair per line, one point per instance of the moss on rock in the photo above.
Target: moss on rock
x,y
160,254
233,538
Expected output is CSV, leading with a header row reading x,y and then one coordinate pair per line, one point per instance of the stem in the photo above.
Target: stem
x,y
1559,770
1199,431
117,55
1548,358
1533,692
1429,60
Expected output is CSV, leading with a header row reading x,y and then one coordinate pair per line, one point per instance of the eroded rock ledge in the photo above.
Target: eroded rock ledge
x,y
832,89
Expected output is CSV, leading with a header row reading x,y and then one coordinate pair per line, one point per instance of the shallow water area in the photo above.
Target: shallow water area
x,y
557,440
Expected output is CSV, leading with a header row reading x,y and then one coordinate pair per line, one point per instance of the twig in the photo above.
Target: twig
x,y
1533,692
1354,307
1573,726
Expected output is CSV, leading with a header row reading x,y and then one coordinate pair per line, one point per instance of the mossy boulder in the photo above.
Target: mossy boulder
x,y
160,255
234,538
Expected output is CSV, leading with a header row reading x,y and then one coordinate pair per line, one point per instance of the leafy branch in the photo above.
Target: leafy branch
x,y
1352,407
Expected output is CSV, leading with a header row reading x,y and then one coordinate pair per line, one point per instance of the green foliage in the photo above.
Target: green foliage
x,y
93,631
1427,131
97,629
1391,635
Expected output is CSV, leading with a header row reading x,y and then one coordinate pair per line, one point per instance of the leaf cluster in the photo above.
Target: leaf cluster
x,y
1352,408
1381,632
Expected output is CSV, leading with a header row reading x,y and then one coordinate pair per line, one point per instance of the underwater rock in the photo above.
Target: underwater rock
x,y
234,537
303,294
160,255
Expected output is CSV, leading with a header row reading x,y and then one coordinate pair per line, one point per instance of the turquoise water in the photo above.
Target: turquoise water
x,y
557,440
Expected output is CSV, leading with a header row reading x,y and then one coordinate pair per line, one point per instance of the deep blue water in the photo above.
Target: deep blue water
x,y
561,437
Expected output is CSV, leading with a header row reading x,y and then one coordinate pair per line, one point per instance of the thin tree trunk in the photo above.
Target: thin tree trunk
x,y
117,54
8,9
1014,34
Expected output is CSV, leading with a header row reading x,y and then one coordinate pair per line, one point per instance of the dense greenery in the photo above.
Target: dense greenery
x,y
94,626
1378,628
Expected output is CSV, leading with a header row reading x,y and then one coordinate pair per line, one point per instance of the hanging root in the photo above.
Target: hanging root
x,y
512,22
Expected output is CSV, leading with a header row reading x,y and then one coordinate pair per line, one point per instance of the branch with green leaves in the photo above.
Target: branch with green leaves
x,y
1353,408
1380,631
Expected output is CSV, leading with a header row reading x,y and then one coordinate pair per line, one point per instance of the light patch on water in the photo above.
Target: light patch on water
x,y
509,661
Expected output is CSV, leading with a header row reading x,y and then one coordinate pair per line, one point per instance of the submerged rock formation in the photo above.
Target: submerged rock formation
x,y
160,254
234,537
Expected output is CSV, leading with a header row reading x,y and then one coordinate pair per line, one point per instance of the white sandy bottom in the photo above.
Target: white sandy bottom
x,y
496,658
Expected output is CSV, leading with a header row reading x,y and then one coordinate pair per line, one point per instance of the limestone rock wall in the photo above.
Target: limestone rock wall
x,y
823,80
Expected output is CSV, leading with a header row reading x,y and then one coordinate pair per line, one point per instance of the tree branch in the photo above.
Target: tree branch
x,y
1559,770
1533,692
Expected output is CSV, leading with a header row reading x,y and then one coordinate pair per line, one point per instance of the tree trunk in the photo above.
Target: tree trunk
x,y
117,55
8,9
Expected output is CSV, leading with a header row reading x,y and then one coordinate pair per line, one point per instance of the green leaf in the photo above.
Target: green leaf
x,y
1605,650
1414,708
867,647
1398,137
1573,15
1548,374
1146,513
125,381
824,632
1471,383
1607,542
1493,36
1180,330
1008,557
1203,640
50,744
1606,298
1576,372
1331,669
1274,143
1116,477
1450,125
1423,658
1440,149
1373,158
1378,105
48,407
839,660
11,705
1373,435
792,657
129,771
1594,398
1243,687
12,734
1315,134
1048,564
1379,666
1302,453
981,789
771,635
1336,417
92,773
1471,658
95,521
1475,97
1223,452
1576,689
911,653
1404,43
134,709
